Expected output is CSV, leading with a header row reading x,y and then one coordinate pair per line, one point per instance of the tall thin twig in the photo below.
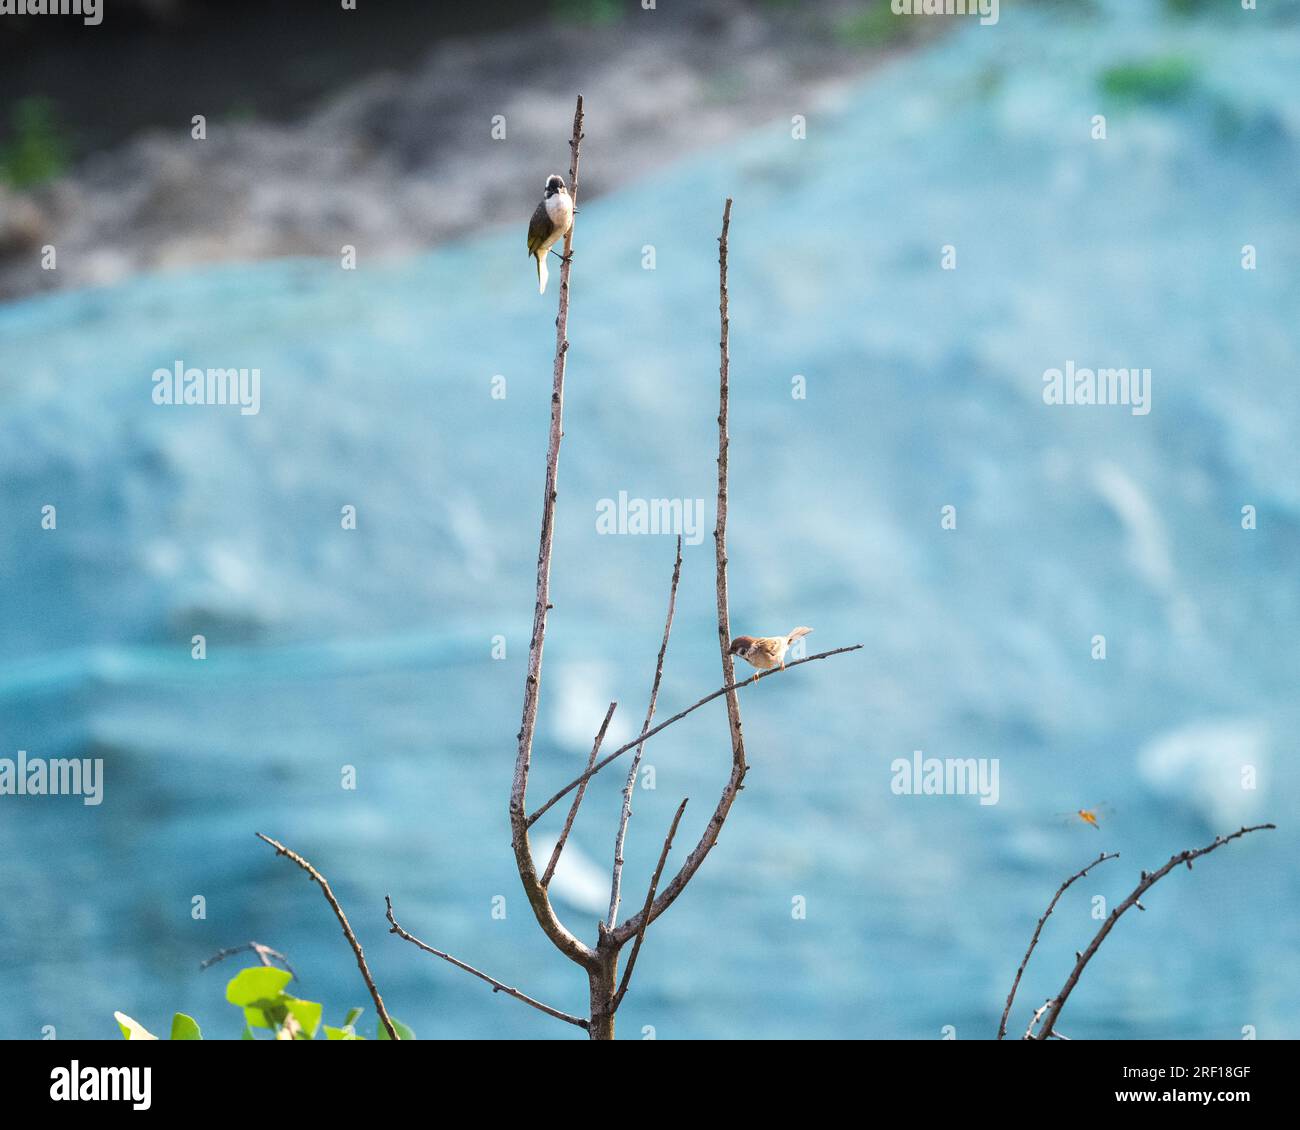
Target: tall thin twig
x,y
739,768
536,893
615,890
1058,1002
317,877
645,910
497,986
1011,996
577,800
720,531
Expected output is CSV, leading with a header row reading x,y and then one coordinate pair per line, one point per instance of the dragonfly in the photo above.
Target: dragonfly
x,y
1091,816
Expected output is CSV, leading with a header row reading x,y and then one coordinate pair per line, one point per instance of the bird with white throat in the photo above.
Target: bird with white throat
x,y
766,652
551,221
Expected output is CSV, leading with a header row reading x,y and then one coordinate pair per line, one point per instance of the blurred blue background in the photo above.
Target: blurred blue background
x,y
373,648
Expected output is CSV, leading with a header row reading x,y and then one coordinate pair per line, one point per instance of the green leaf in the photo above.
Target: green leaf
x,y
185,1028
261,982
403,1032
266,1014
344,1033
247,1034
307,1013
130,1029
351,1017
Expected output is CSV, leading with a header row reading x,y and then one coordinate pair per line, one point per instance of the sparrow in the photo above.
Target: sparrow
x,y
765,652
551,221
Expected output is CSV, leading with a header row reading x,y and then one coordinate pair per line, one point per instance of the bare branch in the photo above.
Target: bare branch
x,y
649,901
720,531
535,891
638,924
1147,881
264,955
650,733
497,986
620,838
317,877
1011,996
577,800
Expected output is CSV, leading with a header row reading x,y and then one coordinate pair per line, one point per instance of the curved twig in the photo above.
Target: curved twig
x,y
264,955
497,986
317,877
1011,996
650,733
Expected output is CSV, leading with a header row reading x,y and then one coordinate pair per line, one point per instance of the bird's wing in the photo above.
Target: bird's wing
x,y
539,229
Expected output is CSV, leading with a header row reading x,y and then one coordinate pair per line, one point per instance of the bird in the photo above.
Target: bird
x,y
551,221
765,652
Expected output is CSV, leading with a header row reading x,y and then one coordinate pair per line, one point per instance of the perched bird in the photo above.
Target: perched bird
x,y
765,652
551,221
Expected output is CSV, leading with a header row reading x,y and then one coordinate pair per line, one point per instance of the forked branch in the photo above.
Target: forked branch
x,y
1015,984
1148,880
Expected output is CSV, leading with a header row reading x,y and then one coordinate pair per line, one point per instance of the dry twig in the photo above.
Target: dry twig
x,y
1011,996
497,986
616,887
577,800
264,955
650,733
649,900
317,877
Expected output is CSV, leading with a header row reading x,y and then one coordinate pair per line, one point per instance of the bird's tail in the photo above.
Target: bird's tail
x,y
797,634
542,273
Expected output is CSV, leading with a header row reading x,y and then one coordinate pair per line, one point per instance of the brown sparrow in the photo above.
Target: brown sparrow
x,y
765,652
